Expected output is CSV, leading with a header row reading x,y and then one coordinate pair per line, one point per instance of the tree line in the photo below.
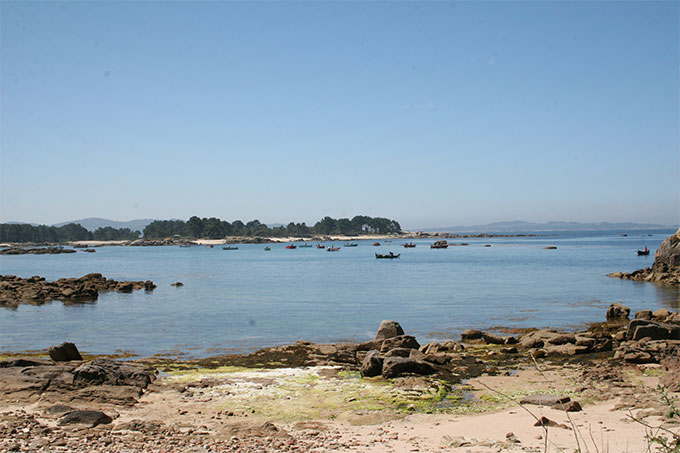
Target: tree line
x,y
198,228
23,232
214,228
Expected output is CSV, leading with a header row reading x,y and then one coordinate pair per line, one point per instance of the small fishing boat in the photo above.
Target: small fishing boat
x,y
320,246
229,247
350,244
644,252
332,249
302,246
387,256
409,245
267,248
439,245
291,246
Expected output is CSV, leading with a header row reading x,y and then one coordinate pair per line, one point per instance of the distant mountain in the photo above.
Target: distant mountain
x,y
516,226
93,223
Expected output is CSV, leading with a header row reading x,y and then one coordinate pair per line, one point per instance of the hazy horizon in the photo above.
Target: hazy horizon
x,y
430,113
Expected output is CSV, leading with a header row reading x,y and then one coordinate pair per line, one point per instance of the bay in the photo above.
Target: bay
x,y
245,299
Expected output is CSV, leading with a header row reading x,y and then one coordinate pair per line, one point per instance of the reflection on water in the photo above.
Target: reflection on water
x,y
669,295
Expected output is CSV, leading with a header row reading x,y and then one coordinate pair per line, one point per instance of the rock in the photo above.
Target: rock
x,y
644,314
149,285
490,338
64,352
570,406
640,328
617,312
401,341
671,380
124,287
90,418
389,329
540,399
58,409
545,421
400,352
639,357
397,366
661,314
372,364
471,334
509,350
177,284
111,372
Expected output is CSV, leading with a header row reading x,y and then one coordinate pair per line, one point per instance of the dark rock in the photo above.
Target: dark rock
x,y
389,329
58,409
545,421
509,350
640,328
177,284
372,364
24,362
570,406
490,338
397,366
149,285
401,341
644,314
124,287
399,352
617,312
471,334
90,418
64,352
111,372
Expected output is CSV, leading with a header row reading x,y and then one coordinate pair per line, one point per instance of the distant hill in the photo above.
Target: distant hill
x,y
521,226
93,223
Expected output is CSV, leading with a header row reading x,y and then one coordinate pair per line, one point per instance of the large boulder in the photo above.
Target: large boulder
x,y
394,367
642,328
401,341
111,372
617,312
389,329
65,352
372,364
89,418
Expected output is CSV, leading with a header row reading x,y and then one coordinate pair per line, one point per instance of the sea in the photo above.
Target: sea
x,y
236,301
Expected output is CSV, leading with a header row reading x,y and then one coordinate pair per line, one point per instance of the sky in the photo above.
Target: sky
x,y
430,113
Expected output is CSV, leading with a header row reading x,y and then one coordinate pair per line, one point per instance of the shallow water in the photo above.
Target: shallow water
x,y
244,299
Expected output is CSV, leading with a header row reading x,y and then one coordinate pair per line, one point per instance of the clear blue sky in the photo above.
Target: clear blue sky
x,y
432,113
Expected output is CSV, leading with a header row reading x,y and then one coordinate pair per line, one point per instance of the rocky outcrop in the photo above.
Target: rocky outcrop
x,y
617,311
389,329
65,352
666,267
102,381
35,251
36,290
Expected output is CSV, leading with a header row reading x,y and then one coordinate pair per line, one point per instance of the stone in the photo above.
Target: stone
x,y
639,357
545,421
89,418
64,352
398,366
471,334
661,314
401,341
399,352
177,284
490,338
644,314
111,372
541,399
58,409
509,350
389,329
149,285
617,312
372,364
640,328
570,406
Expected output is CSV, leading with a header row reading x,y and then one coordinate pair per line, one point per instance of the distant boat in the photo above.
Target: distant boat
x,y
350,244
291,246
209,246
185,245
644,252
388,256
267,248
304,245
229,247
332,249
409,245
320,246
439,245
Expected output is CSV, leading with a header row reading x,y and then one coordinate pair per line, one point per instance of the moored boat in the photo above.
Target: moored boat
x,y
332,249
409,245
304,245
267,248
387,256
229,247
291,246
643,252
350,244
320,246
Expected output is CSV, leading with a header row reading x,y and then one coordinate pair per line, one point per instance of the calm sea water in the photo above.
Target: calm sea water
x,y
241,300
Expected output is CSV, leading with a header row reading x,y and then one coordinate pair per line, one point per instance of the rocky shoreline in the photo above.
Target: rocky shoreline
x,y
285,398
666,267
37,291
